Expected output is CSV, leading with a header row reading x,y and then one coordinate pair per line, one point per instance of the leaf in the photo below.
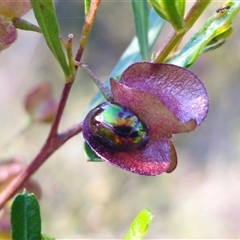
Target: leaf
x,y
86,6
132,53
45,237
25,25
91,155
172,11
215,27
139,226
46,18
141,20
217,41
25,217
181,7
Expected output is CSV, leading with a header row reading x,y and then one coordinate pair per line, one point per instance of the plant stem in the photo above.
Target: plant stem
x,y
87,28
55,140
51,145
68,47
191,17
47,150
171,43
195,12
62,104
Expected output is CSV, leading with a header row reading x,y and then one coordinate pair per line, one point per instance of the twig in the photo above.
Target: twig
x,y
47,150
87,28
54,140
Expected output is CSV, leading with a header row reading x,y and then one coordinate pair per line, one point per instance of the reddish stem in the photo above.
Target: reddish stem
x,y
62,104
87,28
47,150
54,140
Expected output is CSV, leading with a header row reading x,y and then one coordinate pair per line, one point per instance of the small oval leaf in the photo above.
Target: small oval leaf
x,y
139,226
91,155
45,237
40,104
25,217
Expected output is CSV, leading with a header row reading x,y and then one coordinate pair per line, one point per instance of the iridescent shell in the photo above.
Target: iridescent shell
x,y
118,127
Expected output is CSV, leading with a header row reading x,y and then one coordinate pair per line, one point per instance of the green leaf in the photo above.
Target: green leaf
x,y
217,41
180,5
141,20
172,11
213,46
45,237
25,217
25,25
46,18
139,226
87,4
90,154
216,27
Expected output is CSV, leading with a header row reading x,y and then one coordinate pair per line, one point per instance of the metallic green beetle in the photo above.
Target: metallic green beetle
x,y
118,127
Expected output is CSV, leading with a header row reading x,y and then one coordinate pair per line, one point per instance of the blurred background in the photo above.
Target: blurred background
x,y
82,200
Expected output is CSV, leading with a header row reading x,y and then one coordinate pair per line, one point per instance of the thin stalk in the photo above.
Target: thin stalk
x,y
70,54
54,140
51,145
46,151
62,104
87,28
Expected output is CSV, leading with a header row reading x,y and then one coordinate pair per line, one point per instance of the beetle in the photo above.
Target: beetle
x,y
118,127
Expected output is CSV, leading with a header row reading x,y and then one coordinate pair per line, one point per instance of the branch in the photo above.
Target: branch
x,y
46,151
54,140
87,28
